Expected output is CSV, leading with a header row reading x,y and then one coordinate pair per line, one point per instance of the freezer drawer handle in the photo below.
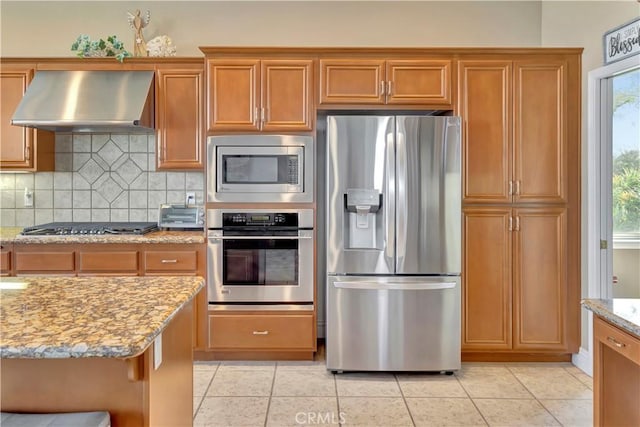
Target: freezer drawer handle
x,y
399,286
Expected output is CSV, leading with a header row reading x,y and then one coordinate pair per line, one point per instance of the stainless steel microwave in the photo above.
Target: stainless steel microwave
x,y
260,168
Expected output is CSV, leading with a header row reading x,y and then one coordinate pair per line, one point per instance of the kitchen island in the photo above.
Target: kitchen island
x,y
616,361
117,344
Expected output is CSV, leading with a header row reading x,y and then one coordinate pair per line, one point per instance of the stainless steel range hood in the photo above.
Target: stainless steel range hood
x,y
88,101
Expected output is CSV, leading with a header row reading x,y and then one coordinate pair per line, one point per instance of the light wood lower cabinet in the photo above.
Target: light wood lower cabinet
x,y
262,335
106,259
515,281
6,252
111,263
616,375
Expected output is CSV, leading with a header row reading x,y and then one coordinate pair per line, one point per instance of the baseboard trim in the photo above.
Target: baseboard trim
x,y
515,357
583,360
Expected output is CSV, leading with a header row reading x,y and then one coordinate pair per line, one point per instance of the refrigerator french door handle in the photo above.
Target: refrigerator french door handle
x,y
389,204
401,199
373,285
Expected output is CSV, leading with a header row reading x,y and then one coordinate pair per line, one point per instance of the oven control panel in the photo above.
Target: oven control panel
x,y
230,219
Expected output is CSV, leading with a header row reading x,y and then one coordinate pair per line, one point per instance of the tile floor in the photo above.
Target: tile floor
x,y
256,394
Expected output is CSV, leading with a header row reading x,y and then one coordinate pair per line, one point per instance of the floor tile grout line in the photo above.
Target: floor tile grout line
x,y
471,399
406,405
273,382
534,396
206,390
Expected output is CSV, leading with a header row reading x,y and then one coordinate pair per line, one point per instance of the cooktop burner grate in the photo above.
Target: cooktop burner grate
x,y
90,228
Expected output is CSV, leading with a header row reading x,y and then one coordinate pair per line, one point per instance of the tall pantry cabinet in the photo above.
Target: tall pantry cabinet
x,y
521,203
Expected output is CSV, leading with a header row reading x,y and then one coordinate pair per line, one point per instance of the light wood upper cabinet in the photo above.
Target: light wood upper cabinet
x,y
260,95
286,95
379,81
21,148
514,131
540,133
179,116
485,97
352,81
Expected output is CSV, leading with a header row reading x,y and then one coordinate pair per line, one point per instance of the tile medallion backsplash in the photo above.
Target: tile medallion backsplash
x,y
98,177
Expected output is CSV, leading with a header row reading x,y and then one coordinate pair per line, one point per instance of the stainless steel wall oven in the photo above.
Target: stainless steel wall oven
x,y
260,256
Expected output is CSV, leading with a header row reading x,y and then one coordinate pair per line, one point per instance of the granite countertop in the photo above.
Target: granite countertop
x,y
12,235
622,312
68,317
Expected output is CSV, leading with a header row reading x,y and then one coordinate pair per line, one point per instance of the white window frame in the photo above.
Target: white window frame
x,y
597,175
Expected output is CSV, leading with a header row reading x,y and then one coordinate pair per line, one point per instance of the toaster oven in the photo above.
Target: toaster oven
x,y
181,216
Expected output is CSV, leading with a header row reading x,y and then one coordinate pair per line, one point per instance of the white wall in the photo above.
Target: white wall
x,y
48,28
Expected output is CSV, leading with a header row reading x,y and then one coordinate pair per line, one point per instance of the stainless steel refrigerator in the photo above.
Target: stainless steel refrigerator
x,y
393,243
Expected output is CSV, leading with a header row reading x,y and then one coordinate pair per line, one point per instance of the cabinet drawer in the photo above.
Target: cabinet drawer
x,y
261,332
618,340
109,262
170,261
58,262
5,262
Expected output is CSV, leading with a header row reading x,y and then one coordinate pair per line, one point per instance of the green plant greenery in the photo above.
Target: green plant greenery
x,y
626,192
112,47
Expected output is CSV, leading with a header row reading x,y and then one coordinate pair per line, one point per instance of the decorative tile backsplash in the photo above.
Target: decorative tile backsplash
x,y
98,177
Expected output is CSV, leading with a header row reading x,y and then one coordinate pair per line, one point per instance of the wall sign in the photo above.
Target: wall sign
x,y
622,42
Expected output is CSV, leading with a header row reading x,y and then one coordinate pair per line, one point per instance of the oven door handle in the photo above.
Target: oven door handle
x,y
214,237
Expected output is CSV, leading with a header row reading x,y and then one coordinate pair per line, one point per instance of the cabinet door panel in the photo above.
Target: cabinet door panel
x,y
540,279
286,90
486,322
45,262
346,81
485,97
540,132
179,119
419,82
16,141
233,94
108,262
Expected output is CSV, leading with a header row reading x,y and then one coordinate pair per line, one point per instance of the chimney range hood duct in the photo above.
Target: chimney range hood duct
x,y
88,101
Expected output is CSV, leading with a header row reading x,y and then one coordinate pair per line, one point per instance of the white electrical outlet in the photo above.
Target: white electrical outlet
x,y
28,198
191,198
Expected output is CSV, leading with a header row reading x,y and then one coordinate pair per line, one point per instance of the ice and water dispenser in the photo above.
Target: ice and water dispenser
x,y
364,225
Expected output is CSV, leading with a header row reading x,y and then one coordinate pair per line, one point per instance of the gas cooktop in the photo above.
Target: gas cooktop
x,y
90,228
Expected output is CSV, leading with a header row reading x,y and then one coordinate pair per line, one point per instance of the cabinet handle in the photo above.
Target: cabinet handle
x,y
389,88
260,332
27,152
169,261
517,223
382,87
616,342
262,115
510,223
255,117
510,188
517,187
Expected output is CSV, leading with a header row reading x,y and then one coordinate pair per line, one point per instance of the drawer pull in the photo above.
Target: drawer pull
x,y
616,342
260,332
169,261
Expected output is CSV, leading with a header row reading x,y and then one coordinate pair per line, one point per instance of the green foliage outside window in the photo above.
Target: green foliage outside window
x,y
626,192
